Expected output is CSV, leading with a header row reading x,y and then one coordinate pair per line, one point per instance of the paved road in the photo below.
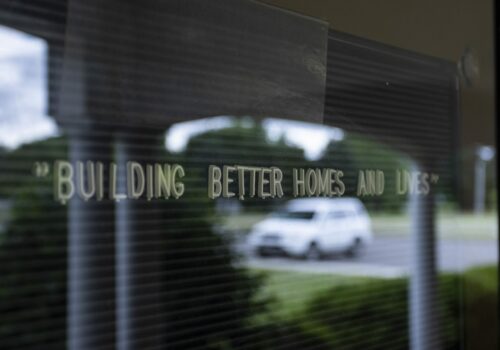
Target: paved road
x,y
388,257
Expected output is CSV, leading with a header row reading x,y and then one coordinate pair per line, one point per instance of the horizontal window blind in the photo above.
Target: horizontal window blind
x,y
222,83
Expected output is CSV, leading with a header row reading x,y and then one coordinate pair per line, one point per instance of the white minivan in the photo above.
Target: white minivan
x,y
313,227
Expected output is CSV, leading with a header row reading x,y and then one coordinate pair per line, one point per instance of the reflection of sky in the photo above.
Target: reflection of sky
x,y
312,138
179,134
23,89
23,105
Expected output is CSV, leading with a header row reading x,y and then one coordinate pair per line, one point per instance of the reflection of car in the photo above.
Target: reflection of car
x,y
313,227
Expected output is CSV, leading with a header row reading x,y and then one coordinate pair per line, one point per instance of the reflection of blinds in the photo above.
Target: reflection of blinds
x,y
399,99
402,99
194,59
168,274
407,102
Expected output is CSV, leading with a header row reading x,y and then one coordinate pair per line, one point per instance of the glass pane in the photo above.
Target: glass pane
x,y
247,175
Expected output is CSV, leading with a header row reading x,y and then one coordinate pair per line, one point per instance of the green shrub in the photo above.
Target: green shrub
x,y
372,315
481,308
375,314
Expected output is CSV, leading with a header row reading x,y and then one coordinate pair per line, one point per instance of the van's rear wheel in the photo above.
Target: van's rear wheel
x,y
355,248
313,252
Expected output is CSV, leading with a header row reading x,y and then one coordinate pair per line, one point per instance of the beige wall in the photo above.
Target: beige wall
x,y
441,28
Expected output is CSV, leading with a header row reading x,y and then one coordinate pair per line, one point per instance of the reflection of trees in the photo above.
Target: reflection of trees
x,y
250,146
357,152
205,299
245,146
33,288
32,253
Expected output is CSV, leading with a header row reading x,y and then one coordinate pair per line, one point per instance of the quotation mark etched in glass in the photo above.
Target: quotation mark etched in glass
x,y
434,178
41,169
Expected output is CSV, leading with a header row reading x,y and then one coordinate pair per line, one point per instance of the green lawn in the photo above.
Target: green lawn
x,y
289,292
242,222
449,225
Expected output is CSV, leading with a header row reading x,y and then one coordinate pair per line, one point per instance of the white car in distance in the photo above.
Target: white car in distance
x,y
313,228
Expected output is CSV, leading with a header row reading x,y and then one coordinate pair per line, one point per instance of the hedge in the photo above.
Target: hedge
x,y
375,314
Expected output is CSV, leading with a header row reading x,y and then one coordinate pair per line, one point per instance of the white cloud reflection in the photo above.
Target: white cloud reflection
x,y
312,138
179,134
23,89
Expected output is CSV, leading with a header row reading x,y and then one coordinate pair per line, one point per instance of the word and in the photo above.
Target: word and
x,y
370,183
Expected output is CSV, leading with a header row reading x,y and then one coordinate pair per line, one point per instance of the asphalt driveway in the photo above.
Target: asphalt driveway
x,y
386,257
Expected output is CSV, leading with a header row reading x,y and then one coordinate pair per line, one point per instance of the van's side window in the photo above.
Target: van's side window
x,y
337,215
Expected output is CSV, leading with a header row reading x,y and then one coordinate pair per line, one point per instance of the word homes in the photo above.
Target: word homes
x,y
318,182
150,181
